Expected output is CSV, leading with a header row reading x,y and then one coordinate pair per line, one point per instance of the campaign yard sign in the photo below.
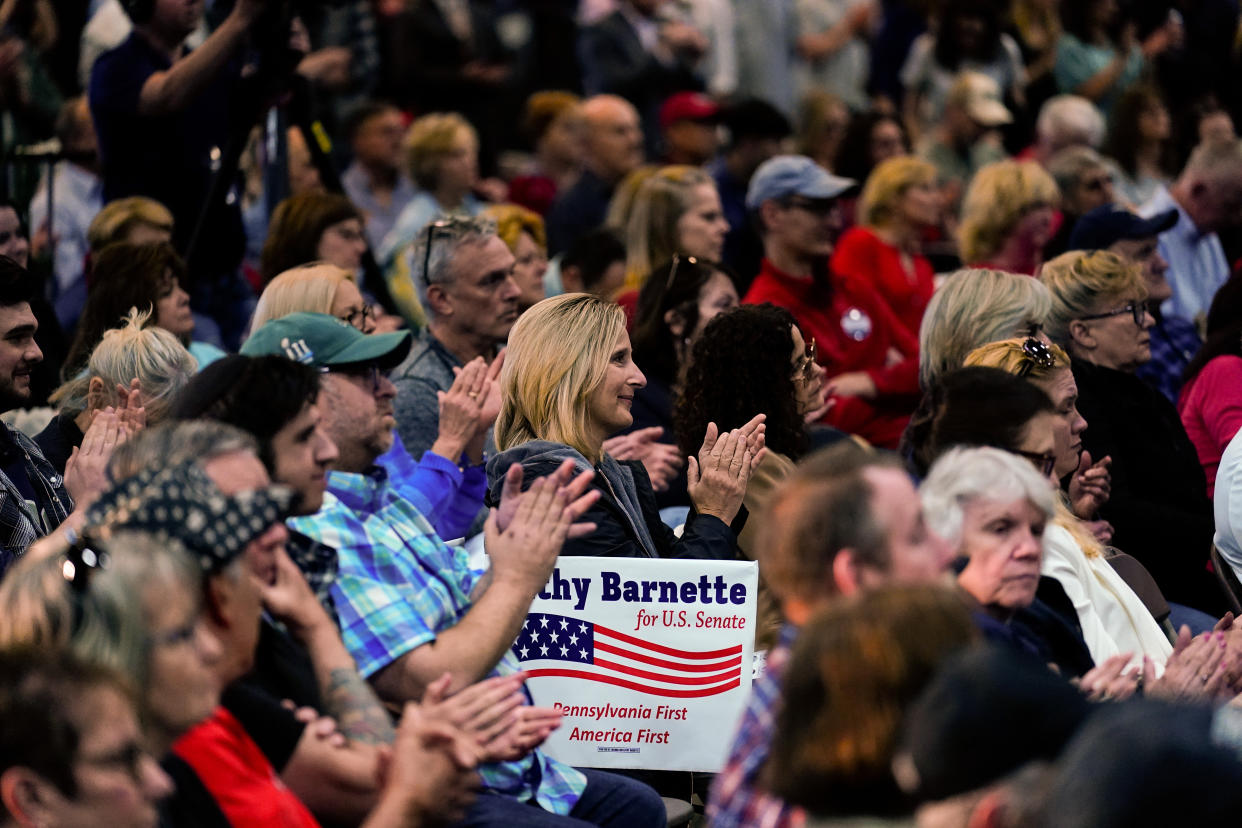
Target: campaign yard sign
x,y
648,660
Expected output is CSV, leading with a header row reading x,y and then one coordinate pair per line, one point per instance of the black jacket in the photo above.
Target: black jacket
x,y
620,531
1159,506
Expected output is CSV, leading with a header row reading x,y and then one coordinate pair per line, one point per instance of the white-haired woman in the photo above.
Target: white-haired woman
x,y
134,369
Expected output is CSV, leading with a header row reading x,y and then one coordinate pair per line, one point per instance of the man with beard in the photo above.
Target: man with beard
x,y
33,497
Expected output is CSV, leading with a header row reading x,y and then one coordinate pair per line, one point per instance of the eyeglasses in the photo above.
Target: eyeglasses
x,y
1035,354
357,317
432,229
805,366
1136,309
672,271
372,374
817,207
1044,462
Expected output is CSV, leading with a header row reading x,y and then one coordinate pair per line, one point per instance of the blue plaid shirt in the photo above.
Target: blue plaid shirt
x,y
397,585
736,799
1174,342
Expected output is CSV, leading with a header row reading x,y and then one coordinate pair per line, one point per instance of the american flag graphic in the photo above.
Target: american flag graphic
x,y
560,645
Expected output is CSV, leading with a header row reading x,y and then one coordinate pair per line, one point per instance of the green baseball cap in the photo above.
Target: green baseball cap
x,y
321,340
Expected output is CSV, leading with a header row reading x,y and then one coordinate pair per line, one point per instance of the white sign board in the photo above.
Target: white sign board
x,y
650,661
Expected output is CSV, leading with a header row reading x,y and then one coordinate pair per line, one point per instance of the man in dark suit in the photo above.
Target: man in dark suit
x,y
643,55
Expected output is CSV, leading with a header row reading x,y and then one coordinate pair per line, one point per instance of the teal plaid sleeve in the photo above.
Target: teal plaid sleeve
x,y
397,586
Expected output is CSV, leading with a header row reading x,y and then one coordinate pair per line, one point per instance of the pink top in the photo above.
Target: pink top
x,y
1210,406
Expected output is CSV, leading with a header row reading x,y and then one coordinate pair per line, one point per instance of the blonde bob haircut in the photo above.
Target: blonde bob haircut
x,y
119,218
887,184
558,354
1081,282
1008,356
308,288
512,220
973,307
998,196
135,350
431,138
651,236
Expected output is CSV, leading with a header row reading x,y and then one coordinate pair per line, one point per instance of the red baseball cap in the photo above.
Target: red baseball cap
x,y
688,106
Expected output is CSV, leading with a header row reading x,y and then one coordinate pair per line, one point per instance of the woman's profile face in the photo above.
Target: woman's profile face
x,y
717,295
343,244
13,241
182,687
920,204
701,229
887,141
609,405
459,167
1063,391
172,309
1035,224
1003,540
531,262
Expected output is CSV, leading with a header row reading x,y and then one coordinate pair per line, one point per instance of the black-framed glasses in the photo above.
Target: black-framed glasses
x,y
672,271
1044,462
821,207
1035,354
372,374
1138,310
805,366
432,229
357,318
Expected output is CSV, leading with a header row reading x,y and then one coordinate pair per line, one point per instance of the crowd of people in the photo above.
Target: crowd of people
x,y
325,329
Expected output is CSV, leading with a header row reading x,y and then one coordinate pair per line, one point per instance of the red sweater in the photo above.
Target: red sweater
x,y
854,329
1210,406
239,777
863,256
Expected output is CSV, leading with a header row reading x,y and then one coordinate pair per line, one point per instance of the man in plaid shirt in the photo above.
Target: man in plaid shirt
x,y
847,520
418,621
33,497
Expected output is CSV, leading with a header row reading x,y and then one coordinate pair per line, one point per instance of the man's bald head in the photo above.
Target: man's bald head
x,y
613,136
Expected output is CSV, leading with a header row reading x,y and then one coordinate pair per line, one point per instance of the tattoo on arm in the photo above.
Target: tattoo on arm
x,y
357,710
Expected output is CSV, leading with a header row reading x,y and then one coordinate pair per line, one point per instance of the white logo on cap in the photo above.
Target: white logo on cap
x,y
298,351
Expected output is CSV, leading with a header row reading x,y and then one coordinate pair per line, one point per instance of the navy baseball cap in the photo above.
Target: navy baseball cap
x,y
1104,225
786,175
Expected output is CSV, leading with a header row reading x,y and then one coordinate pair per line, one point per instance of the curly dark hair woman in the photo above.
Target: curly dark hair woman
x,y
745,361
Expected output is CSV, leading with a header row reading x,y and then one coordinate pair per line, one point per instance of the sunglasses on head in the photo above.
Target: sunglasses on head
x,y
1035,354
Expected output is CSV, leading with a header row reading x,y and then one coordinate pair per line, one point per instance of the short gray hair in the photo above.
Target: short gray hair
x,y
1069,165
963,475
446,235
1066,120
170,444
